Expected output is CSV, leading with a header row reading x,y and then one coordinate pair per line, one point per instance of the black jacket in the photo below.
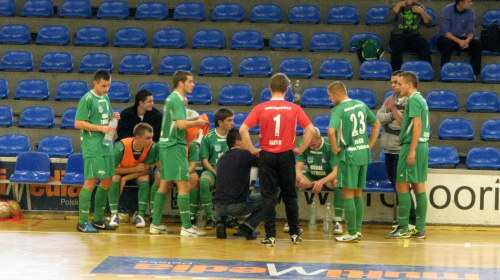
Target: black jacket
x,y
129,119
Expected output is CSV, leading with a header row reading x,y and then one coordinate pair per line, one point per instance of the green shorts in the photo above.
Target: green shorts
x,y
208,173
174,163
416,173
351,176
99,167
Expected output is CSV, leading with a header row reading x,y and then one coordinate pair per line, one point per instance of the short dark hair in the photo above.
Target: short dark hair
x,y
232,136
180,76
141,128
279,83
397,72
410,77
458,1
102,75
141,96
222,114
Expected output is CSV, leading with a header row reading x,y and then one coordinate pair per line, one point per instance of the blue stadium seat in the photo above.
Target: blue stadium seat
x,y
456,128
171,63
377,179
265,95
190,11
92,62
239,118
17,61
322,122
37,116
76,9
442,100
487,101
202,94
365,95
37,8
430,11
326,41
56,62
15,34
227,11
369,132
210,115
343,14
483,158
113,10
304,14
7,8
315,96
382,155
433,44
4,89
457,72
491,73
361,37
119,110
337,68
296,67
388,94
160,90
151,10
169,38
68,118
130,37
235,94
32,89
6,116
490,16
56,146
423,69
31,167
299,130
208,38
266,13
375,70
286,40
74,171
71,90
255,66
119,91
91,36
443,155
490,130
376,15
247,39
14,144
215,65
53,35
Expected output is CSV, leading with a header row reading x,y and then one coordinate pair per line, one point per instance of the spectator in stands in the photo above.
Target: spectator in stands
x,y
407,16
457,33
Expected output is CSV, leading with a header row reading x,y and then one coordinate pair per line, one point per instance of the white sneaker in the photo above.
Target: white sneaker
x,y
286,228
115,220
158,229
140,222
348,238
337,228
194,231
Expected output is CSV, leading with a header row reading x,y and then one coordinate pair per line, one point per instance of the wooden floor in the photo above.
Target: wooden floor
x,y
49,247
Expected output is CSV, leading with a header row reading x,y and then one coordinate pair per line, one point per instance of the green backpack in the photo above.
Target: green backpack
x,y
368,50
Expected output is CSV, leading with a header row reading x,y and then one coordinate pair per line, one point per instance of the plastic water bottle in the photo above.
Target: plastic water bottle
x,y
312,219
297,91
108,138
327,222
200,218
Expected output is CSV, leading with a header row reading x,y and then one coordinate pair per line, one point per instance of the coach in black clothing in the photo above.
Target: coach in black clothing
x,y
232,193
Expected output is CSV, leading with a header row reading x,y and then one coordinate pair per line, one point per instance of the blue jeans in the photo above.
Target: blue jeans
x,y
252,206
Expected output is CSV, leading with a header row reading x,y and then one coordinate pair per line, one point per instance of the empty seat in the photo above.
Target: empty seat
x,y
14,144
189,11
326,41
487,101
491,73
343,14
266,13
92,62
91,36
201,94
490,130
388,94
56,146
423,69
377,179
336,68
130,37
239,118
74,173
443,155
169,38
7,8
31,168
433,44
255,66
322,122
37,116
235,94
160,90
304,14
369,132
76,8
68,118
17,61
6,116
457,72
296,67
151,10
286,40
456,128
376,15
315,96
37,8
113,9
4,89
215,65
71,90
375,70
32,89
442,100
53,35
247,39
56,62
365,95
483,158
265,95
430,11
171,63
490,16
227,11
15,34
208,38
361,37
119,91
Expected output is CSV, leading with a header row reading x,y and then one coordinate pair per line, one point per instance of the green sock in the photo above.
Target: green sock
x,y
100,201
297,189
194,200
350,215
143,197
404,210
154,189
159,206
114,197
421,210
338,203
183,204
84,206
206,197
360,210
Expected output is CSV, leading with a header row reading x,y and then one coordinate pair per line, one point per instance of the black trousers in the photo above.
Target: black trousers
x,y
447,46
413,42
277,172
391,164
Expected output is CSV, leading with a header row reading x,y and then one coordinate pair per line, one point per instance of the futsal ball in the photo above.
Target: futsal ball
x,y
16,208
6,210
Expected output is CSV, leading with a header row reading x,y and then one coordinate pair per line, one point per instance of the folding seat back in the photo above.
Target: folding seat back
x,y
235,94
71,90
14,144
113,10
266,13
37,116
32,89
208,38
119,91
483,158
457,72
388,94
31,167
190,11
433,44
4,89
151,10
315,97
456,128
37,8
490,130
68,118
91,36
377,179
247,39
322,122
326,41
361,37
227,11
76,8
487,101
56,146
376,15
169,38
255,66
56,62
265,95
74,174
443,155
92,62
17,61
7,8
304,14
215,65
375,70
343,14
491,73
430,11
53,35
171,63
202,94
337,68
423,69
130,37
442,100
490,16
6,116
296,67
365,95
287,40
160,90
15,34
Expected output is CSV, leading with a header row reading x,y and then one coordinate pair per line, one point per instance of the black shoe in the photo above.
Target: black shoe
x,y
295,239
193,221
269,241
102,225
233,224
210,224
220,229
86,228
247,232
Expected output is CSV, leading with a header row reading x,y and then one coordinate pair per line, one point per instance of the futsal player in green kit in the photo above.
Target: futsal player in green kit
x,y
349,141
92,118
413,157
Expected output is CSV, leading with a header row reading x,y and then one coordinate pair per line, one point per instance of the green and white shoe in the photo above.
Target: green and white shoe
x,y
399,233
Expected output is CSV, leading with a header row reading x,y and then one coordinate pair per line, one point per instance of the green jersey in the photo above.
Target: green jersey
x,y
95,110
416,106
320,161
212,147
193,154
349,119
173,110
151,158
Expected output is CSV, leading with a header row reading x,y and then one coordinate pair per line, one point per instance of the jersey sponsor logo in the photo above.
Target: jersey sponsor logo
x,y
217,148
278,108
100,109
316,152
315,167
221,140
310,159
274,142
353,107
